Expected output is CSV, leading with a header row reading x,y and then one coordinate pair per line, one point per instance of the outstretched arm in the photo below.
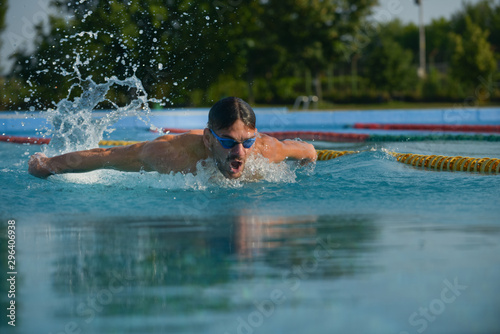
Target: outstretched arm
x,y
299,150
277,151
125,158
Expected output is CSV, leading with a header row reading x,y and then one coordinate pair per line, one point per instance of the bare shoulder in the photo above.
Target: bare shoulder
x,y
176,153
276,150
182,135
265,144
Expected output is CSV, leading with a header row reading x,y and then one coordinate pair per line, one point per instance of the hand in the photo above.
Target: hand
x,y
38,165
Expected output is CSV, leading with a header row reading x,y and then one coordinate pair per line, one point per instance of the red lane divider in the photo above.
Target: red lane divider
x,y
430,127
304,135
24,140
323,136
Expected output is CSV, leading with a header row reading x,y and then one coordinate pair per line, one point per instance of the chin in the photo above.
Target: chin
x,y
233,175
229,172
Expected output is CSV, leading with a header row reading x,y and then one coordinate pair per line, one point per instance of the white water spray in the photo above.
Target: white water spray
x,y
73,124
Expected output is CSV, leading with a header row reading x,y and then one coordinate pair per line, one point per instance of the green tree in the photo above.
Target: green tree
x,y
439,44
473,59
485,14
172,46
278,37
406,35
389,66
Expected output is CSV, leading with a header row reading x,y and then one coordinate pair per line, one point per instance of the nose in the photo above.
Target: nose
x,y
238,150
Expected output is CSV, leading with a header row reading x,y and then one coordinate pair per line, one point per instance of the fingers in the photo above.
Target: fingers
x,y
37,165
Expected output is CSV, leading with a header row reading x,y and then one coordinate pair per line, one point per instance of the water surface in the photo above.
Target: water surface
x,y
361,244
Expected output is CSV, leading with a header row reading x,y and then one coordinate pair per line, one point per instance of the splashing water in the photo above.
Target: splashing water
x,y
258,169
73,125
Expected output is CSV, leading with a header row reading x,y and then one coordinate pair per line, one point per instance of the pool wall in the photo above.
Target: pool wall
x,y
277,118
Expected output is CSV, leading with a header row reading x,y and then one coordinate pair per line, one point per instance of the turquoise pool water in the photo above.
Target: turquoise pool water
x,y
359,244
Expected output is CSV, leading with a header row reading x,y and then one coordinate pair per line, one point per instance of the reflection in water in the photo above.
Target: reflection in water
x,y
257,235
171,268
247,273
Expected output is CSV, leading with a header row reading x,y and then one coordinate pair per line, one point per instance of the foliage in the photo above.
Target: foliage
x,y
267,51
439,45
390,67
473,58
277,37
485,14
439,87
172,46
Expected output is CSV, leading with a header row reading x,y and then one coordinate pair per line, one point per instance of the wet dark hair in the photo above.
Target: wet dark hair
x,y
225,112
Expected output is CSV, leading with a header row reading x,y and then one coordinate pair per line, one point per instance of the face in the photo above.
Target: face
x,y
230,161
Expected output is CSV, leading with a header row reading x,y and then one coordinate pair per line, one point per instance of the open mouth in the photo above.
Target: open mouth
x,y
235,166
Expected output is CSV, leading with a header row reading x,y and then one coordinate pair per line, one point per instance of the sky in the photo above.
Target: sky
x,y
23,14
407,10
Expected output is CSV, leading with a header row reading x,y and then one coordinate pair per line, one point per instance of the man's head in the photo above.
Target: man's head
x,y
227,111
230,134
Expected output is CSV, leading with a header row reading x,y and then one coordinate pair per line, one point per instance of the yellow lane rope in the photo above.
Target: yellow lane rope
x,y
116,142
331,154
435,162
452,164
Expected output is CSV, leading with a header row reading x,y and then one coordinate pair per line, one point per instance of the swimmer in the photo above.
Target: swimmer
x,y
229,139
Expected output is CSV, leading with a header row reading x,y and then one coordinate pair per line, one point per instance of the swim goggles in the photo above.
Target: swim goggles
x,y
228,143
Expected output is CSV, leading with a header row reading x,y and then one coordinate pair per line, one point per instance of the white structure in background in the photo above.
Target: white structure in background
x,y
422,69
306,101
